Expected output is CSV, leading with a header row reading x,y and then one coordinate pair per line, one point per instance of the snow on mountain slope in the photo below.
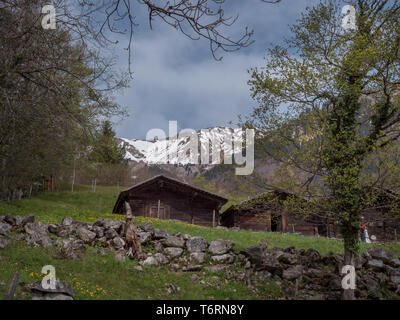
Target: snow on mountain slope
x,y
188,148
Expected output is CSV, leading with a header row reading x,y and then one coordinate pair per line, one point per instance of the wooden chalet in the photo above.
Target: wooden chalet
x,y
381,214
167,198
266,212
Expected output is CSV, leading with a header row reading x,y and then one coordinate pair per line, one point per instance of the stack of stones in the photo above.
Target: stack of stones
x,y
314,276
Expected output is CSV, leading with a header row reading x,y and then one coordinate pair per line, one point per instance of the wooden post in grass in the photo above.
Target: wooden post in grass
x,y
11,287
100,203
296,289
73,177
132,238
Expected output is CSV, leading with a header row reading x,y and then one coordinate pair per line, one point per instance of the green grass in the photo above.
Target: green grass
x,y
101,277
84,205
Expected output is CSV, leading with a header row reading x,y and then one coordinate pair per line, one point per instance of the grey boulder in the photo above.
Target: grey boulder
x,y
173,241
197,257
160,234
107,223
145,237
292,273
254,254
224,258
173,253
375,264
110,233
118,243
218,247
5,229
150,261
147,227
380,254
61,290
196,244
85,235
67,221
37,234
161,259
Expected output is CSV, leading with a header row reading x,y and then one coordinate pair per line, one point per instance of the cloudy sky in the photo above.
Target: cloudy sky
x,y
176,78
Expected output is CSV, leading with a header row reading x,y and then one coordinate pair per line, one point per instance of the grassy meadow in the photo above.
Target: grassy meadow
x,y
101,277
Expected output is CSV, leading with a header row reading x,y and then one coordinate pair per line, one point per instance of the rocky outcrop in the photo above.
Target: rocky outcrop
x,y
5,228
196,244
173,252
160,234
173,241
147,227
219,247
62,291
197,257
86,235
223,258
37,234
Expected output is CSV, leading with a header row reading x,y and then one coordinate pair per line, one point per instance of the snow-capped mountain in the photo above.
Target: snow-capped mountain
x,y
188,147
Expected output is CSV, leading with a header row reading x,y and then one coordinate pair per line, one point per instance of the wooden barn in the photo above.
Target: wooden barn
x,y
166,198
381,214
266,213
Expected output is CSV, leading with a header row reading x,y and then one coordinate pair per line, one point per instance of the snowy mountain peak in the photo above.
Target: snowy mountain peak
x,y
189,147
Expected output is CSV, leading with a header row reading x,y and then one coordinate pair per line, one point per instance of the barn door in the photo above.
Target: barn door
x,y
158,209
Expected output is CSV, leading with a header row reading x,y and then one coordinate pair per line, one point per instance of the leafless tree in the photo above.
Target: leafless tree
x,y
195,19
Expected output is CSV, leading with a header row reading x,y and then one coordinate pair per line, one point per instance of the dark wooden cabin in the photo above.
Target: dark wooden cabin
x,y
266,213
381,214
166,198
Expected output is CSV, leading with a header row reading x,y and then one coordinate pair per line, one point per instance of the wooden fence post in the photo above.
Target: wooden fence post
x,y
11,288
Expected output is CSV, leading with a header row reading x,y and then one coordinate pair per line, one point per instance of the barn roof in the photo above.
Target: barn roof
x,y
273,197
258,202
382,198
164,180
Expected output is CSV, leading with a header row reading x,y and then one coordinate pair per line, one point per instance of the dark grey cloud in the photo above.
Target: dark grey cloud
x,y
177,79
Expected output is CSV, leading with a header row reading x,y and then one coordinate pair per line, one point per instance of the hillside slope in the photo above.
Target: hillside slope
x,y
100,276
